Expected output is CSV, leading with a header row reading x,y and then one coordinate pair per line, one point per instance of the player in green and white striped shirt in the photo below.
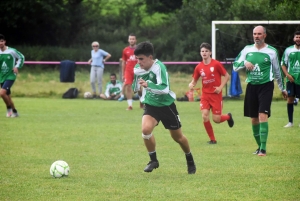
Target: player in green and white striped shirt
x,y
10,61
290,64
158,98
262,66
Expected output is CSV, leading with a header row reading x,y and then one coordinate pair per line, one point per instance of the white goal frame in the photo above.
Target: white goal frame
x,y
213,29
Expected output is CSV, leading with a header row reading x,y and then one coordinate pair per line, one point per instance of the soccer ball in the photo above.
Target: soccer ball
x,y
59,169
87,95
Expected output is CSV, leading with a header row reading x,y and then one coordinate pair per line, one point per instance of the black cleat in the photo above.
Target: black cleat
x,y
256,152
212,142
151,165
230,121
191,167
262,153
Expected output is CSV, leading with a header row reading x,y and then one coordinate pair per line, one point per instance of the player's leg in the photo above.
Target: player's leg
x,y
128,90
103,96
290,87
148,124
93,80
216,102
99,78
122,93
5,95
205,108
265,100
250,110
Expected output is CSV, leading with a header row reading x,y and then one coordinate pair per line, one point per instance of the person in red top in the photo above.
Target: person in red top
x,y
128,62
211,72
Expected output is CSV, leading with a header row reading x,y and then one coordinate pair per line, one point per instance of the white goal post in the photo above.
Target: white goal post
x,y
213,29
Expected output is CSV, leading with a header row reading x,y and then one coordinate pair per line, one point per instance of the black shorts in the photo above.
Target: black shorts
x,y
168,115
293,89
7,84
258,99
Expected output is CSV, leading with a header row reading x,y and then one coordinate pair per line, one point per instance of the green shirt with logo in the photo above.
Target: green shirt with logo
x,y
9,59
158,92
291,59
266,65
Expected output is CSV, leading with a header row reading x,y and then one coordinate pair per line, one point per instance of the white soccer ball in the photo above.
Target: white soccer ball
x,y
87,95
59,169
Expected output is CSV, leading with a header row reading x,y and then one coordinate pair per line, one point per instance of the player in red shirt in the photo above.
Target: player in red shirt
x,y
211,72
128,62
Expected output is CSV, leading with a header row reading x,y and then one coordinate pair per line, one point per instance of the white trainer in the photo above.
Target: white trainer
x,y
14,114
9,113
288,125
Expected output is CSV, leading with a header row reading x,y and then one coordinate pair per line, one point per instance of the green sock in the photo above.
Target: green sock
x,y
255,129
263,135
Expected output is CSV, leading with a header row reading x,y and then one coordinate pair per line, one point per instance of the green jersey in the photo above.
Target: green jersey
x,y
113,88
291,60
158,92
9,59
266,65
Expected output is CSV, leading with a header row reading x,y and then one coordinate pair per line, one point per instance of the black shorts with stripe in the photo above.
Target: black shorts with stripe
x,y
258,99
293,89
168,115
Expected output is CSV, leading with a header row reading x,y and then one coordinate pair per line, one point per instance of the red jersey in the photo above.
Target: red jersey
x,y
210,74
129,57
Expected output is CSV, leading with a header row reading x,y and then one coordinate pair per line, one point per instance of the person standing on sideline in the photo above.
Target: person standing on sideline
x,y
113,89
128,63
262,65
152,78
97,66
11,61
211,72
290,64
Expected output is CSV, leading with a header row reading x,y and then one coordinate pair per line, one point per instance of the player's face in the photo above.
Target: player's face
x,y
259,35
297,40
2,43
205,53
144,61
132,40
113,79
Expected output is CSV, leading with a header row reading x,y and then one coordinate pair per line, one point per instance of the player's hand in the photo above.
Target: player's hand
x,y
217,90
249,66
143,83
290,78
15,69
191,85
284,94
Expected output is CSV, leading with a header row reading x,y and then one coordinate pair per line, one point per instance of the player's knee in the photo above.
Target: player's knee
x,y
146,137
2,92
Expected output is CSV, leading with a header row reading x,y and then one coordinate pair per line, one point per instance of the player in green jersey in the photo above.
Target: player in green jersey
x,y
113,89
290,64
151,75
262,65
10,61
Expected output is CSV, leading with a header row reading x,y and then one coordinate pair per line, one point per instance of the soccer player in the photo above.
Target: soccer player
x,y
99,57
128,63
290,64
211,72
113,89
151,75
262,65
11,61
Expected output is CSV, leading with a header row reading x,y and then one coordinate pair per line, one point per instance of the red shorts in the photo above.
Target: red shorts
x,y
128,75
213,102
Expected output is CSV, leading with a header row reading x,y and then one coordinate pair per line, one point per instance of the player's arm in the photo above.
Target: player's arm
x,y
107,57
286,73
107,91
193,83
241,62
20,60
278,74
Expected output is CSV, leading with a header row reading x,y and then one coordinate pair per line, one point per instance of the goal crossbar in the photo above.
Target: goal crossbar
x,y
213,29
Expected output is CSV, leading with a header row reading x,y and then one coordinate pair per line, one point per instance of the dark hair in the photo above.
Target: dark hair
x,y
2,37
146,48
297,33
206,46
132,34
113,74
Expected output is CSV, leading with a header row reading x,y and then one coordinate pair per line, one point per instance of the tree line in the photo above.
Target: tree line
x,y
64,29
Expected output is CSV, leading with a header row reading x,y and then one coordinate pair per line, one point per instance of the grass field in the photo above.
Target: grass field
x,y
102,144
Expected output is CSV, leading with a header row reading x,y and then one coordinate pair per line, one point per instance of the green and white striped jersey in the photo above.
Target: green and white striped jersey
x,y
9,59
266,65
111,88
158,92
291,59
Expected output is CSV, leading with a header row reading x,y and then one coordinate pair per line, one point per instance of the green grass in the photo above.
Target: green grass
x,y
102,144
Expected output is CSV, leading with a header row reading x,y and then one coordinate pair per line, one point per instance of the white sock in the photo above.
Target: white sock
x,y
129,101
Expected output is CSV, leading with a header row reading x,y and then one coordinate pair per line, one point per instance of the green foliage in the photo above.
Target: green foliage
x,y
102,144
